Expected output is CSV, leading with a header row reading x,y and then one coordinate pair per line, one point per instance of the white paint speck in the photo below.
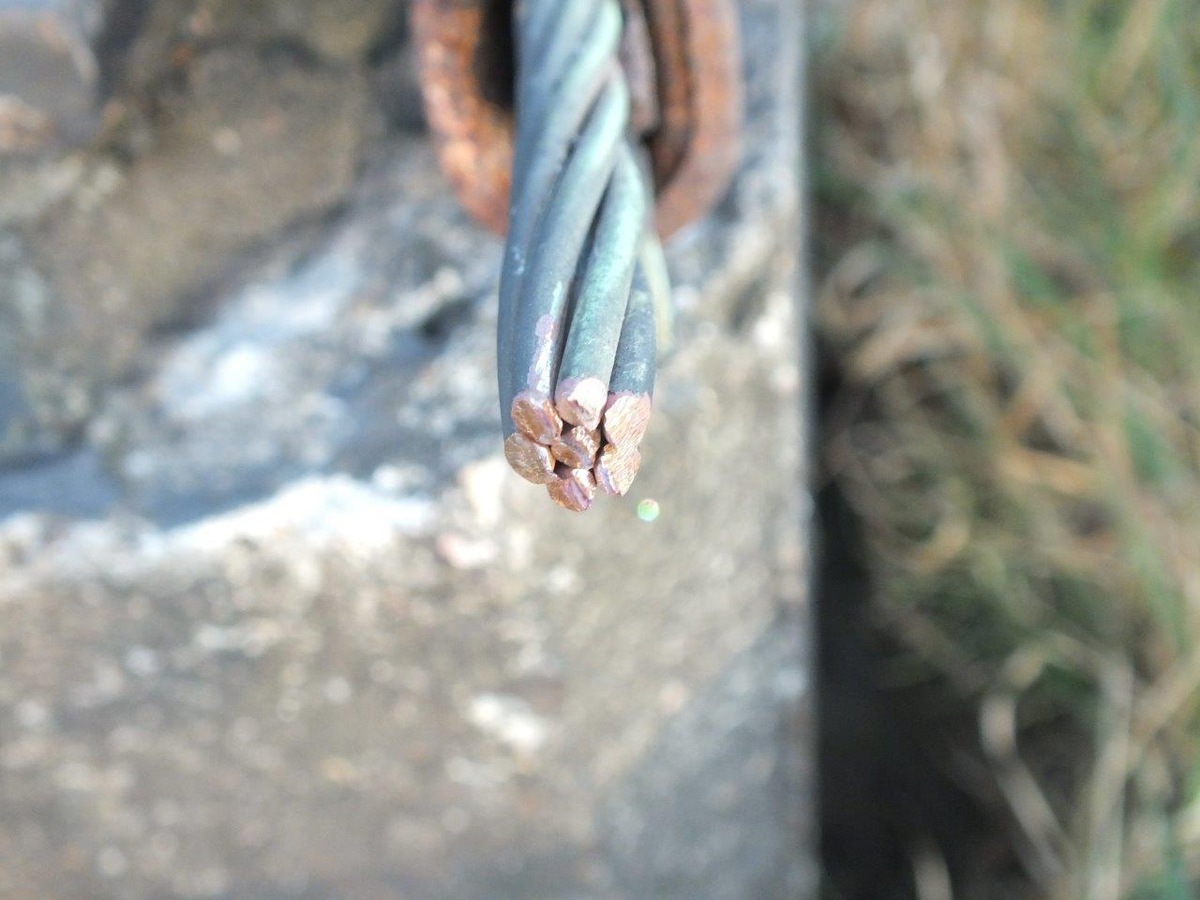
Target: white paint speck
x,y
111,862
142,662
483,484
338,691
510,720
32,715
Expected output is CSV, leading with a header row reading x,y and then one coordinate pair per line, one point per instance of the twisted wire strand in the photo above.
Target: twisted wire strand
x,y
576,362
539,326
540,153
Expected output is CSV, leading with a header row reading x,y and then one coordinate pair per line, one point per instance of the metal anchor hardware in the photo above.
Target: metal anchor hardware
x,y
683,61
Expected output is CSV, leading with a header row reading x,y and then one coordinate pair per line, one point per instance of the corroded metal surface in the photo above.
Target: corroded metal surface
x,y
691,125
696,151
474,132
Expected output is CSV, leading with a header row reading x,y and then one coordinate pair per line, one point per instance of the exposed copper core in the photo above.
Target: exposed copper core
x,y
529,459
577,447
581,401
696,78
616,469
573,489
534,414
626,418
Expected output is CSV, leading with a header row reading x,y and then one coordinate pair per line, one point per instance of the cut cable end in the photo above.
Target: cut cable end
x,y
535,416
626,418
529,459
616,469
577,447
573,489
581,401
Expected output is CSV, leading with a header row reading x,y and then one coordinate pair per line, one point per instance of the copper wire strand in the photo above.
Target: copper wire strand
x,y
537,168
582,266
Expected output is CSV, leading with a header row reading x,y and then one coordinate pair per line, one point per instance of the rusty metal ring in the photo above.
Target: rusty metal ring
x,y
465,57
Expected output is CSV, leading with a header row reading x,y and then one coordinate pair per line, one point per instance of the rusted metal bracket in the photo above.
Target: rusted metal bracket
x,y
682,58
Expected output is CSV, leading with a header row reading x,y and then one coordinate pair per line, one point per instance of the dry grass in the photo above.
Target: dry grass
x,y
1009,205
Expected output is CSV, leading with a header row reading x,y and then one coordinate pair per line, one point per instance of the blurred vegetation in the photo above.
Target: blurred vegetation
x,y
1008,226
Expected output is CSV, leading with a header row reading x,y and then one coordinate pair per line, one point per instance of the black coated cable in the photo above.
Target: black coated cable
x,y
571,346
541,151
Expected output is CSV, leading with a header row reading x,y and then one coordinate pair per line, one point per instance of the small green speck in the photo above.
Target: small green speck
x,y
647,510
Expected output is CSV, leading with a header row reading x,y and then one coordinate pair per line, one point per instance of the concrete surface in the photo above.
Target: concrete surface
x,y
275,619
